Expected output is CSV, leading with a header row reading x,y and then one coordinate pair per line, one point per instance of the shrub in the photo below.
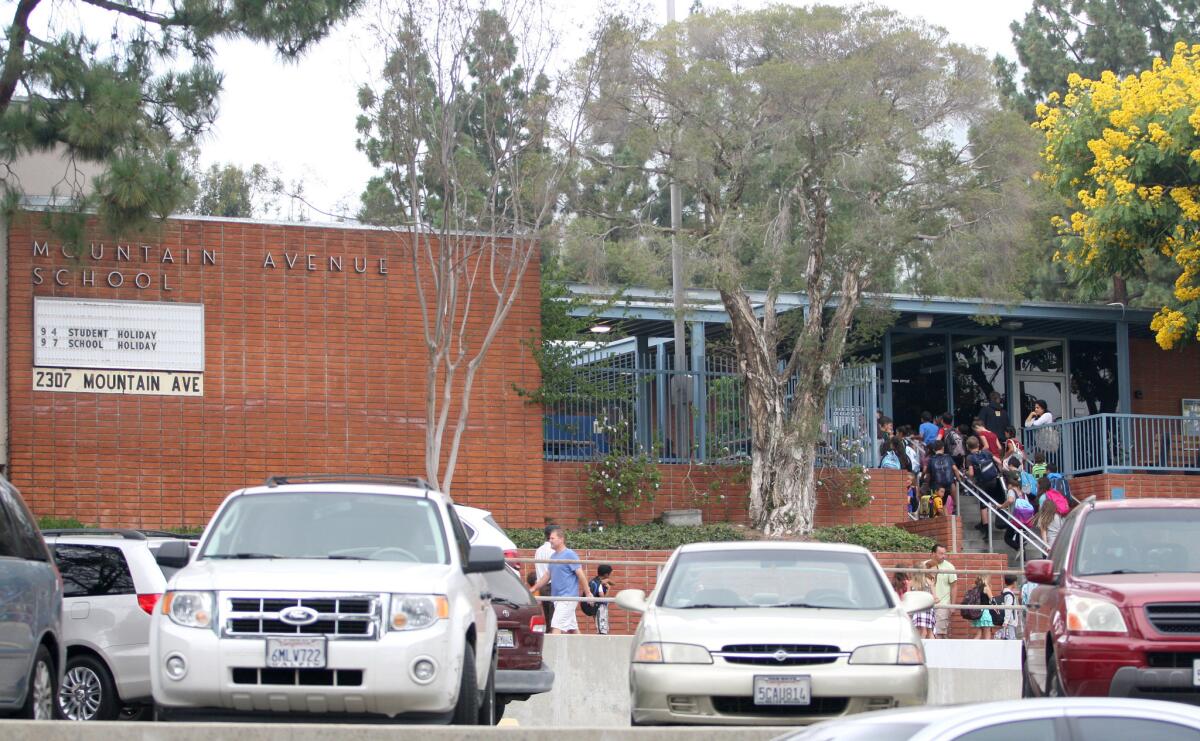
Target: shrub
x,y
876,538
61,523
627,476
651,537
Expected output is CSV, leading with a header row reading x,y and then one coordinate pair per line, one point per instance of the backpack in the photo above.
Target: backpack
x,y
1060,502
973,596
591,608
1059,482
998,615
1029,483
954,443
1023,510
941,470
890,461
985,468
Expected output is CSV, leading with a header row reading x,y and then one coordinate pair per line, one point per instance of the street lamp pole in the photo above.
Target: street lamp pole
x,y
680,387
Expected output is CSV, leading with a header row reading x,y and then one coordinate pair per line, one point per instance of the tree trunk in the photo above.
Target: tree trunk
x,y
782,461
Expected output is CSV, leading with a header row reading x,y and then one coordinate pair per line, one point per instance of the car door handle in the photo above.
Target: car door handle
x,y
485,596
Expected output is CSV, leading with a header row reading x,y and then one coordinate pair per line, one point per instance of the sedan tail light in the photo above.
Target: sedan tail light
x,y
147,602
510,555
537,624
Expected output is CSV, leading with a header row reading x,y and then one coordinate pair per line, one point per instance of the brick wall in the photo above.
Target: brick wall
x,y
1136,486
1162,377
721,493
306,371
944,530
645,577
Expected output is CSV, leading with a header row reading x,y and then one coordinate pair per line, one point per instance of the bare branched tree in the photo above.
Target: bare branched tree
x,y
472,140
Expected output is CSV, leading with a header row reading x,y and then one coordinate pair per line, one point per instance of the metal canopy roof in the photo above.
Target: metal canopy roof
x,y
644,312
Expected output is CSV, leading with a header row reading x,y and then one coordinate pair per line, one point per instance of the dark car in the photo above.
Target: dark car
x,y
520,629
32,654
1116,609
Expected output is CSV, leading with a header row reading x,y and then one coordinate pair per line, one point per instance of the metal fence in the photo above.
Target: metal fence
x,y
1106,443
639,404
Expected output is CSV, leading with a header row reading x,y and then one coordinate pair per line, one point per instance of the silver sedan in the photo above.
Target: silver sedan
x,y
771,633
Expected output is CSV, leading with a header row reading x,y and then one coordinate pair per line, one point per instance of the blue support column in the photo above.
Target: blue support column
x,y
700,393
642,386
663,380
885,394
1124,382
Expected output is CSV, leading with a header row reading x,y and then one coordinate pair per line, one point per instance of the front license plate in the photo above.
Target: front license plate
x,y
504,639
1196,672
296,653
782,690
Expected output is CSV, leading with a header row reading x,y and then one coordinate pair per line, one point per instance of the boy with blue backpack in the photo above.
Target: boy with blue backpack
x,y
941,475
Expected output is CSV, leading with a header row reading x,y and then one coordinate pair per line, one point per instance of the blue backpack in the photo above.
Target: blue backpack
x,y
1029,483
890,461
1059,482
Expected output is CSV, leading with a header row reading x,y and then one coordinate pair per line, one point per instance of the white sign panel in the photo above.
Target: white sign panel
x,y
117,335
89,381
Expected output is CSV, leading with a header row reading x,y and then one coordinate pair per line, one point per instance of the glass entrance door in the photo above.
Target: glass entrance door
x,y
1047,389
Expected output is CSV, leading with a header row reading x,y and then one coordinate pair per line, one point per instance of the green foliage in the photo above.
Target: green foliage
x,y
228,190
650,537
1058,37
131,102
854,483
875,538
625,477
61,523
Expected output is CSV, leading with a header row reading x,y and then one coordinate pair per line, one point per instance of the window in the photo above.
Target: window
x,y
507,586
1038,356
1151,540
24,540
460,536
1093,378
1143,729
978,371
918,376
1038,729
93,570
1062,544
10,546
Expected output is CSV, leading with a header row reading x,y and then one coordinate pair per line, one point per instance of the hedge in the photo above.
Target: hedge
x,y
650,537
875,538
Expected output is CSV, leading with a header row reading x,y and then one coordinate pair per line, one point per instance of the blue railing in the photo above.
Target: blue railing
x,y
638,403
1113,443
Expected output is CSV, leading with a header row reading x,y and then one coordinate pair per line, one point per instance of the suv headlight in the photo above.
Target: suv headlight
x,y
1094,615
189,609
888,653
671,653
416,611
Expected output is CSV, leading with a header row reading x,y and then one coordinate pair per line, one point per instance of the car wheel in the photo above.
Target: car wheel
x,y
466,712
41,693
500,706
487,705
1026,685
87,691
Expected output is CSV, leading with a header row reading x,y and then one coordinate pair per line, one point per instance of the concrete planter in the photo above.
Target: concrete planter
x,y
682,517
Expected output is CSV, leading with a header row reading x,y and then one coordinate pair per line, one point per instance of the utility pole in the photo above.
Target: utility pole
x,y
680,386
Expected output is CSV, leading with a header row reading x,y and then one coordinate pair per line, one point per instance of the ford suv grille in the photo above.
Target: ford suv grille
x,y
1178,618
347,616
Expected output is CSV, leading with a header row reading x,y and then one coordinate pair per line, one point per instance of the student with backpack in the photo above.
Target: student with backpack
x,y
954,440
1011,619
1019,507
941,473
984,469
980,618
601,585
1047,522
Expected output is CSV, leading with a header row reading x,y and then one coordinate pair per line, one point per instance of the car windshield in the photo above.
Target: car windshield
x,y
772,578
368,527
1140,541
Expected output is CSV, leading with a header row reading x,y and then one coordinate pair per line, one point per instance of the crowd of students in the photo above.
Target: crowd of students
x,y
939,455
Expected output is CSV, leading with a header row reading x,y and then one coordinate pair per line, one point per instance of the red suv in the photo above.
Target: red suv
x,y
1116,609
520,628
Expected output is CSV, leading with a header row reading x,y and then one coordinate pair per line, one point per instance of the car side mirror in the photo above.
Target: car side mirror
x,y
916,601
1040,571
482,559
173,554
633,600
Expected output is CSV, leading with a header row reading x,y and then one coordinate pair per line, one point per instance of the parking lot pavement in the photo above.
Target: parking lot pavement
x,y
11,730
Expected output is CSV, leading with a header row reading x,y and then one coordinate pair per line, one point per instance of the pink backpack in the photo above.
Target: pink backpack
x,y
1060,502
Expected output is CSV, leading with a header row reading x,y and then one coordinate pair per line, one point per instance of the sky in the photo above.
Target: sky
x,y
298,118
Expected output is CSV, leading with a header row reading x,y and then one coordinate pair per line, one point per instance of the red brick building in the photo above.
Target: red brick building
x,y
310,344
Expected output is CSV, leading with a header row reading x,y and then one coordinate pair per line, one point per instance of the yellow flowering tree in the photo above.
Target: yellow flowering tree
x,y
1124,156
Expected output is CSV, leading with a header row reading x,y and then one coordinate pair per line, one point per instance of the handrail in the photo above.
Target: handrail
x,y
1024,532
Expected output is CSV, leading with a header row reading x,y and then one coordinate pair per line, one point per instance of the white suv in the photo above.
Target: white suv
x,y
111,584
331,594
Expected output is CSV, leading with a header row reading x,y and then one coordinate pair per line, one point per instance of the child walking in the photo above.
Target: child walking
x,y
924,620
984,628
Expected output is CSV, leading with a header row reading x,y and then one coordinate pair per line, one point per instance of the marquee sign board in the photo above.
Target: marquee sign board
x,y
117,335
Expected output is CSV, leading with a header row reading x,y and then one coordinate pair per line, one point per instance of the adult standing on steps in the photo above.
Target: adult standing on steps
x,y
565,580
943,590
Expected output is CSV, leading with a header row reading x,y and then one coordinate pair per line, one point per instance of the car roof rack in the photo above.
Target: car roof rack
x,y
125,533
358,478
167,534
